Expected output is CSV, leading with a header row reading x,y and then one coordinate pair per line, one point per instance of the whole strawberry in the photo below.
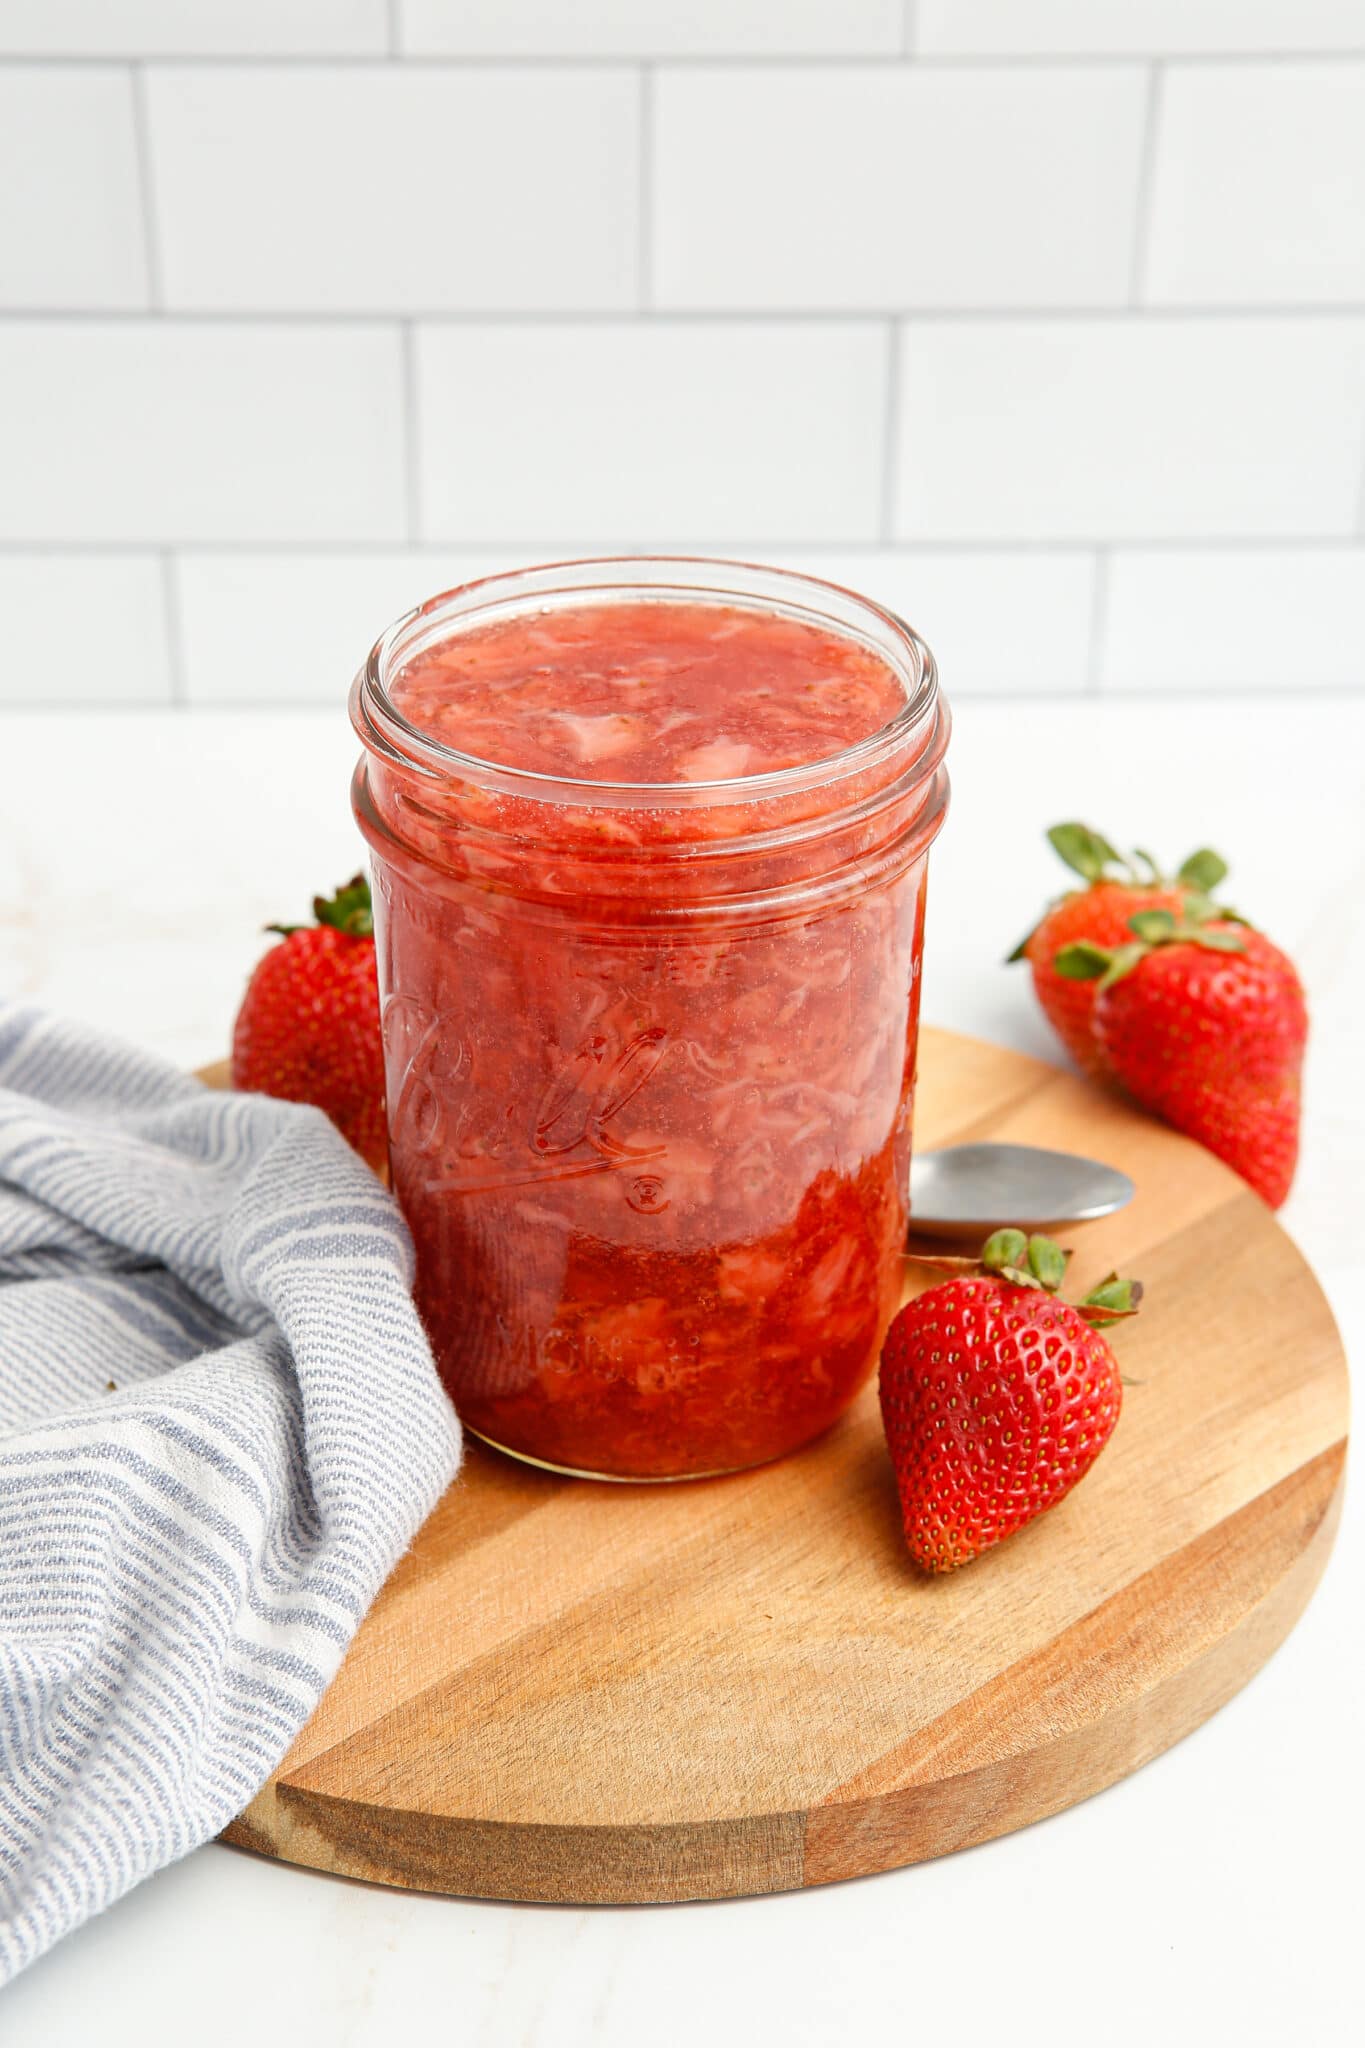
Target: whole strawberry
x,y
308,1028
1115,888
1204,1023
996,1397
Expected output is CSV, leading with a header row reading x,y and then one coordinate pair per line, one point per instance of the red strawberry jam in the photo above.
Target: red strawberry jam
x,y
649,880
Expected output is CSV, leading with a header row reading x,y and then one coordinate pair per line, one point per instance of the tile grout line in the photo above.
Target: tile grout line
x,y
773,60
142,146
412,442
276,548
1299,311
644,196
891,430
1314,693
175,628
909,26
1099,623
1146,181
1358,531
393,12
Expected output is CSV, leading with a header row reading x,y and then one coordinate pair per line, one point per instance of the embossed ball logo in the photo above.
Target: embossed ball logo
x,y
475,1142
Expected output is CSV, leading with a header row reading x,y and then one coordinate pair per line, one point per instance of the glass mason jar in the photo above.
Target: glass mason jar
x,y
650,1052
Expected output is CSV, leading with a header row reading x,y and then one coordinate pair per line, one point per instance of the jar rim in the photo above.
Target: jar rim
x,y
383,728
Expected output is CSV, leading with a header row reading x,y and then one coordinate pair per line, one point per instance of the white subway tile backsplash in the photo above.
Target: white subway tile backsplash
x,y
1259,189
998,622
1094,429
83,629
1028,28
294,628
146,430
642,432
316,307
208,28
396,188
652,28
1236,619
70,207
875,186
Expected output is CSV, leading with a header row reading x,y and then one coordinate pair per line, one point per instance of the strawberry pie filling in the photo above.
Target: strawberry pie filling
x,y
649,886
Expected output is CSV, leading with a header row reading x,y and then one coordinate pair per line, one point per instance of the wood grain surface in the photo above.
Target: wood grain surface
x,y
594,1693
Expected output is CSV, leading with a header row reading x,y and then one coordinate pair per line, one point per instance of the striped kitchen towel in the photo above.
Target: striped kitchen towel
x,y
219,1428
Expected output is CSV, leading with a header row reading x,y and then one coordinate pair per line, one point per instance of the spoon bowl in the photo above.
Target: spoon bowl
x,y
970,1190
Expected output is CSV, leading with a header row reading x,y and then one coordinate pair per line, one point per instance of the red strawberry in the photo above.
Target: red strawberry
x,y
1204,1023
996,1397
1100,913
308,1028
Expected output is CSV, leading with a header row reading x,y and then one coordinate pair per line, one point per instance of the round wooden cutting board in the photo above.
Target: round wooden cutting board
x,y
590,1693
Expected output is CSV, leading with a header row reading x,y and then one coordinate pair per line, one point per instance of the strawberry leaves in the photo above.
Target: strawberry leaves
x,y
349,910
1025,1261
1111,1302
1082,961
1091,856
1039,1263
1203,871
1085,851
1153,926
1047,1263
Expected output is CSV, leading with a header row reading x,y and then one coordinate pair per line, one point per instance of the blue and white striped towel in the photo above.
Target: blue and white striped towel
x,y
219,1428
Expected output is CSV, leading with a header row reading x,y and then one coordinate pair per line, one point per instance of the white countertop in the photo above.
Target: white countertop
x,y
1209,1898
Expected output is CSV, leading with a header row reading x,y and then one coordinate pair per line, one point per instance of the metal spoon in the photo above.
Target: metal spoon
x,y
966,1190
